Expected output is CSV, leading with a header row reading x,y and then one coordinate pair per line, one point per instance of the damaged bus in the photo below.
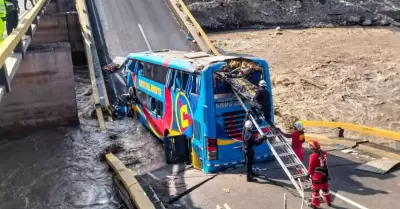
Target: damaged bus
x,y
181,98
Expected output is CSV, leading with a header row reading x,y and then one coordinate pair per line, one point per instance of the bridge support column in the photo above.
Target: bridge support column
x,y
43,91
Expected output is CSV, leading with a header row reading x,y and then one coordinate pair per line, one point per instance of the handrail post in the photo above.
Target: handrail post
x,y
20,48
4,79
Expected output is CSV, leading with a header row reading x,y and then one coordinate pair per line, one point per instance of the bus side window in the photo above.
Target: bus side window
x,y
140,68
130,66
142,98
169,79
196,84
184,80
177,83
159,108
151,104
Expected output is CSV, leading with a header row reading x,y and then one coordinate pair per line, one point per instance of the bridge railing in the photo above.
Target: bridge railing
x,y
14,46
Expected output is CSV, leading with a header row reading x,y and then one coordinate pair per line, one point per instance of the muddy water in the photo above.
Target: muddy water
x,y
63,168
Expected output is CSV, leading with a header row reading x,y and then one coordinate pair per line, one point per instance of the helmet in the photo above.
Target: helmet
x,y
299,125
314,144
248,124
262,83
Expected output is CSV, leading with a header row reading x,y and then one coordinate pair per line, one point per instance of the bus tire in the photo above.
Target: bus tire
x,y
167,150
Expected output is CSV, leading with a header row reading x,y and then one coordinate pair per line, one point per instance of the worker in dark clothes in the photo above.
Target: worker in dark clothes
x,y
26,1
12,15
248,144
263,101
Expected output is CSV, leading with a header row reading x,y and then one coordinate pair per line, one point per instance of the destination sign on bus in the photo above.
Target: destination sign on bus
x,y
150,87
224,103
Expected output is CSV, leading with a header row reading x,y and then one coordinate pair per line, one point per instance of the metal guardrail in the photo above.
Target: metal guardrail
x,y
353,127
198,27
14,46
100,96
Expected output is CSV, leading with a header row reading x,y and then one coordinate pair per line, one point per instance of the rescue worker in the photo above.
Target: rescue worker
x,y
3,15
318,171
263,101
298,139
12,15
248,144
26,1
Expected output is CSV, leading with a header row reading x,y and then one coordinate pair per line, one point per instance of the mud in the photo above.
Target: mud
x,y
233,14
64,167
341,74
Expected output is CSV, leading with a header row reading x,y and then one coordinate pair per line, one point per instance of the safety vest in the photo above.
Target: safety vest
x,y
3,11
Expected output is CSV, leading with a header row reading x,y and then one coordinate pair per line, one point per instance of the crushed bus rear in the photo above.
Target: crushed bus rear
x,y
229,119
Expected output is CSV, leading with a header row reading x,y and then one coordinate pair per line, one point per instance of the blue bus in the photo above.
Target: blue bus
x,y
184,103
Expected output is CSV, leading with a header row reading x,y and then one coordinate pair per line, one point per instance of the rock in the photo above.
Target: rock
x,y
278,28
249,13
384,22
354,19
367,22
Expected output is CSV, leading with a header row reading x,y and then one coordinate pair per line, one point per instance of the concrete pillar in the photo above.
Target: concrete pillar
x,y
61,24
43,91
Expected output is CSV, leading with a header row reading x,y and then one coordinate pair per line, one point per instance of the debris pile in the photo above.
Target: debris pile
x,y
233,14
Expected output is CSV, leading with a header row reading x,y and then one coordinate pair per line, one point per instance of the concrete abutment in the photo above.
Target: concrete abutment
x,y
43,89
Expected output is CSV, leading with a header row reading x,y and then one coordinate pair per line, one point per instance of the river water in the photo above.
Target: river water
x,y
63,167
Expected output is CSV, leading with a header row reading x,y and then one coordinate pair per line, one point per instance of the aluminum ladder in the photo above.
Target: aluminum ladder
x,y
283,153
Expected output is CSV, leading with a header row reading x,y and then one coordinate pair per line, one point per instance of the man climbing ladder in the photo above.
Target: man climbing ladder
x,y
263,101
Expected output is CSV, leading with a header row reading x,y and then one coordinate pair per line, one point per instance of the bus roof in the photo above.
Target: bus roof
x,y
182,60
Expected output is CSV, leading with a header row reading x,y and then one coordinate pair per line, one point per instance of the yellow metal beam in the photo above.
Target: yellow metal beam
x,y
11,41
196,25
88,41
132,186
357,128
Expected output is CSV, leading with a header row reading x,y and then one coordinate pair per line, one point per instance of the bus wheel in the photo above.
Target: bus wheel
x,y
167,149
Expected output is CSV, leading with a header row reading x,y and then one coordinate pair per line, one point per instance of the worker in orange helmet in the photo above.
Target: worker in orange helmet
x,y
318,171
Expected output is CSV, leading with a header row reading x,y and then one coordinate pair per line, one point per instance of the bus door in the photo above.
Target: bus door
x,y
192,91
177,149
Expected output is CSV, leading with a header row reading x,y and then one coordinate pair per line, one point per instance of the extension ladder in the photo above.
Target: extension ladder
x,y
283,153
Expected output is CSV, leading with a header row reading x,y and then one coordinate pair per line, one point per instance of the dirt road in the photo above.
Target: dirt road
x,y
332,74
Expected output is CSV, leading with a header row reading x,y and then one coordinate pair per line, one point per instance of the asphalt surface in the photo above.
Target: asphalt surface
x,y
129,26
120,25
230,189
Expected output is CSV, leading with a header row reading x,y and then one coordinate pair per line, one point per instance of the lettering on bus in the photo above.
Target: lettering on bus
x,y
227,103
150,87
184,116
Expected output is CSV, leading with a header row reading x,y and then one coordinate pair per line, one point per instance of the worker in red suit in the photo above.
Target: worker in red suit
x,y
297,139
318,171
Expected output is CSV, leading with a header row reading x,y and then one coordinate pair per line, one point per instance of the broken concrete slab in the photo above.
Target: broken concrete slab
x,y
380,166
